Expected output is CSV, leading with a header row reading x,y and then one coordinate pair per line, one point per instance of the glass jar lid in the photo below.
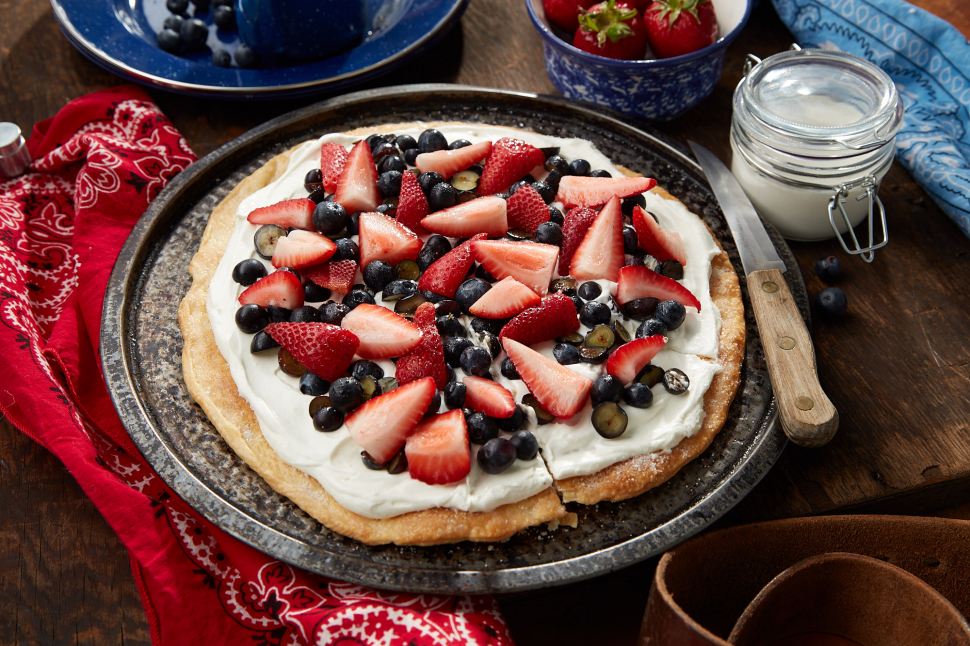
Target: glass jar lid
x,y
818,102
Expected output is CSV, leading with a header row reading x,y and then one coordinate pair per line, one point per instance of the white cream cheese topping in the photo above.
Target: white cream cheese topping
x,y
569,447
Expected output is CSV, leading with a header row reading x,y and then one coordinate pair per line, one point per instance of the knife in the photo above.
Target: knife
x,y
807,415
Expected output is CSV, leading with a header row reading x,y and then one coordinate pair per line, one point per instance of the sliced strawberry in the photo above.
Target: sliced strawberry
x,y
428,359
486,396
337,275
448,272
555,316
574,228
382,333
301,249
412,205
527,210
656,241
636,281
449,162
600,254
357,185
290,214
530,263
559,390
630,358
333,158
326,350
382,238
596,191
507,298
438,451
281,288
381,425
484,215
510,160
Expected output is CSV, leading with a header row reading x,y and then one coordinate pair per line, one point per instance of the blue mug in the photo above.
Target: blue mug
x,y
291,31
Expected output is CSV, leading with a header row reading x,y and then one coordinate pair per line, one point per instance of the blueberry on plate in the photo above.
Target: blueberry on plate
x,y
169,41
245,57
265,239
327,419
638,395
481,428
566,354
514,422
193,33
221,58
455,393
347,249
248,271
470,291
609,420
262,342
509,371
579,167
225,18
549,233
330,218
251,318
431,140
600,173
496,455
671,313
676,381
306,314
606,388
314,385
442,196
377,274
831,303
346,394
364,368
651,327
454,347
526,445
589,290
475,361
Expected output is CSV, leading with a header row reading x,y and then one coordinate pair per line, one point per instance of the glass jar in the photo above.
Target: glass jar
x,y
812,135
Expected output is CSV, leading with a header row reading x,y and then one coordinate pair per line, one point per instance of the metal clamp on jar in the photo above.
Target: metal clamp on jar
x,y
813,133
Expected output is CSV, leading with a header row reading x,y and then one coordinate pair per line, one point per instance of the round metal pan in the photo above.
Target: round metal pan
x,y
141,353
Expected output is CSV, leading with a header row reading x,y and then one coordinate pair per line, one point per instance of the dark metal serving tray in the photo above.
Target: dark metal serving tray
x,y
141,349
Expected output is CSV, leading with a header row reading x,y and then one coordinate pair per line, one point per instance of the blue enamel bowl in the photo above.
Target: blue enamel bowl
x,y
654,90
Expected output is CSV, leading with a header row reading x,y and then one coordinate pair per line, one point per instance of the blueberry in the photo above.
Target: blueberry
x,y
311,384
431,140
481,272
496,455
313,293
327,419
490,343
579,167
411,155
382,150
245,57
454,347
377,274
671,314
364,368
470,291
248,271
589,290
388,208
549,233
455,392
831,303
434,405
169,41
262,342
442,196
355,298
329,218
429,180
606,388
405,142
557,163
600,173
566,354
475,361
545,191
450,326
177,6
488,326
630,241
392,162
225,18
565,286
577,302
306,314
651,327
609,420
346,394
629,260
517,186
435,247
640,309
555,215
553,179
513,422
347,249
446,306
334,313
312,180
278,314
508,370
173,22
676,382
526,445
459,143
626,206
317,195
221,58
370,462
594,313
193,33
374,140
671,269
481,428
638,395
650,375
828,269
353,224
251,318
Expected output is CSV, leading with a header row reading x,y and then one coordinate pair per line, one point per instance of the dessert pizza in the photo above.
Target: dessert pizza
x,y
428,333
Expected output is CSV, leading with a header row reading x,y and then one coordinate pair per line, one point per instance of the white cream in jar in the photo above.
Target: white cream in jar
x,y
814,128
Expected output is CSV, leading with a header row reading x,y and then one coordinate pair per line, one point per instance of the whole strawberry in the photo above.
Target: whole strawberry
x,y
613,30
565,13
678,27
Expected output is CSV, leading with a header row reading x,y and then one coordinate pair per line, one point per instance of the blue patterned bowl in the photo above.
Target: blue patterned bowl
x,y
655,90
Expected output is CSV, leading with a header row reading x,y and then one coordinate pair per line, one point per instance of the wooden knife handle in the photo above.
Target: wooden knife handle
x,y
807,415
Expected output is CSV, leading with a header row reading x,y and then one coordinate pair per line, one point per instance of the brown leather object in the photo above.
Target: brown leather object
x,y
702,587
856,597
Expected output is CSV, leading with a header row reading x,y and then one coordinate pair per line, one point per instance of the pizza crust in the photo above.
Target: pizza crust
x,y
210,383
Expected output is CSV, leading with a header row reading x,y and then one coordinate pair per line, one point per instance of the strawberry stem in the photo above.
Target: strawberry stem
x,y
608,22
675,8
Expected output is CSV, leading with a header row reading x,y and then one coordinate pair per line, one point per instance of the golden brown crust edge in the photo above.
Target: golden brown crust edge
x,y
641,473
210,383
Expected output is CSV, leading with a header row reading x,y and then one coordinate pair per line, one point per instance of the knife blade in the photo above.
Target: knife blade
x,y
807,415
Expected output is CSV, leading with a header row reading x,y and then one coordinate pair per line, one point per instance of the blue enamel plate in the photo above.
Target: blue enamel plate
x,y
119,35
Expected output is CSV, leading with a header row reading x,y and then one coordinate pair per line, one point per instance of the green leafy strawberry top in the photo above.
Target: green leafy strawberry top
x,y
676,7
608,22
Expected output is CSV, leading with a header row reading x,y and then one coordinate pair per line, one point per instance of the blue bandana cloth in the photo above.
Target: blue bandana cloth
x,y
929,60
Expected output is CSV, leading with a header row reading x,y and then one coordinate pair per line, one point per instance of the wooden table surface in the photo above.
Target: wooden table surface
x,y
897,366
